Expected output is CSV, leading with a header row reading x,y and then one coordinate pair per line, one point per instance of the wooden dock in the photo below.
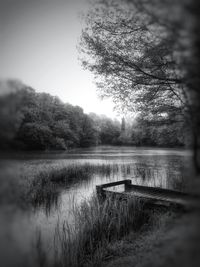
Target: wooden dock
x,y
153,196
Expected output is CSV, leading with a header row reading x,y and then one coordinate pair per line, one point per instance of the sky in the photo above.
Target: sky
x,y
38,45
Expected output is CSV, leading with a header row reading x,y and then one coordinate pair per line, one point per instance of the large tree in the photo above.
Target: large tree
x,y
142,55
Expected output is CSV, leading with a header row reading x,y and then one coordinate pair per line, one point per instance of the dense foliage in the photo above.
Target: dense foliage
x,y
145,133
39,121
142,57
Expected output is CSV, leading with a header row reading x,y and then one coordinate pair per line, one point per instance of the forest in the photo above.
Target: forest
x,y
39,121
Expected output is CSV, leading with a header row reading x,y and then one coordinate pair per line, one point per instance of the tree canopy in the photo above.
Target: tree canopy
x,y
139,50
143,55
39,121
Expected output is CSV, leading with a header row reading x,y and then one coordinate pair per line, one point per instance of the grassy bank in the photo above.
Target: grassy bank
x,y
88,240
174,242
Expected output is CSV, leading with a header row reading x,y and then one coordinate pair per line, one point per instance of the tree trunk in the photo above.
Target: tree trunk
x,y
196,153
195,74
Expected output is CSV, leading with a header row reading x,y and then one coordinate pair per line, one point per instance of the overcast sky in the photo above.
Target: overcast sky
x,y
38,40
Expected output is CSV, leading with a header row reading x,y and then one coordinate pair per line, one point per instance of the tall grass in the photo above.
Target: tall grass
x,y
84,242
43,188
27,185
74,172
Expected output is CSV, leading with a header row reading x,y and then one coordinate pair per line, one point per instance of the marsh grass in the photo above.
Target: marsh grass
x,y
44,187
97,224
74,172
27,185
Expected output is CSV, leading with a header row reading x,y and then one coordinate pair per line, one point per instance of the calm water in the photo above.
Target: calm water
x,y
166,168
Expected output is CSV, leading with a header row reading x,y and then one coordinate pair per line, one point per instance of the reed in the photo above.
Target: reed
x,y
43,188
95,225
66,174
27,185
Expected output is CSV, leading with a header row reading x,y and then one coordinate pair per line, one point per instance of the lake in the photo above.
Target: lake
x,y
165,168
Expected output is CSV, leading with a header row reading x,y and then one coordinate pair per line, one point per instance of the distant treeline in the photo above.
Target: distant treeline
x,y
39,121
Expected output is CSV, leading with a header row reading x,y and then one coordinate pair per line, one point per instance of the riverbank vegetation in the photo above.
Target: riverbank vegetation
x,y
43,189
86,244
98,228
39,121
41,186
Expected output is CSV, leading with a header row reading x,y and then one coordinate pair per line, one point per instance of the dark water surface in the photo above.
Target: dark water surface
x,y
166,168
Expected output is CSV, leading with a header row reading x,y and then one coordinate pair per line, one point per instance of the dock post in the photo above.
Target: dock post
x,y
127,184
99,191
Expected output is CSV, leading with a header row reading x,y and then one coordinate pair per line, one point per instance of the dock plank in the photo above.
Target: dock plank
x,y
153,195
